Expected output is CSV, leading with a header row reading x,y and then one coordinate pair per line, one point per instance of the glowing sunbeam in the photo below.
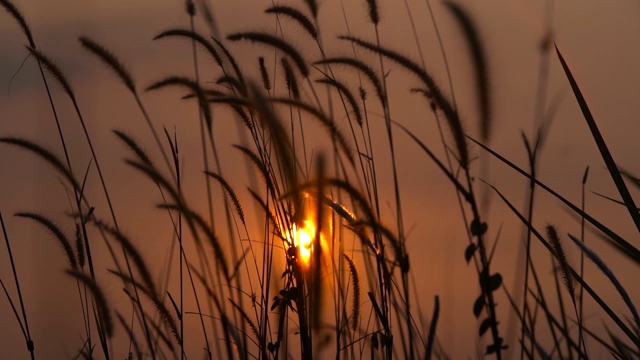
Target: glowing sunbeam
x,y
303,238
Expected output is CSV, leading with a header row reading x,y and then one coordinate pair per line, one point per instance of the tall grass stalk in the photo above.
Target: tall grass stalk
x,y
24,322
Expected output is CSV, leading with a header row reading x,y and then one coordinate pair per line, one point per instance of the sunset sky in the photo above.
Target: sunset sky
x,y
599,41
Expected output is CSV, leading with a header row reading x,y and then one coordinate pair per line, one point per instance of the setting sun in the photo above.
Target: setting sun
x,y
303,239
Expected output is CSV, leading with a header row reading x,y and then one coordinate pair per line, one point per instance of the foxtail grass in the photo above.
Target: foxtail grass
x,y
253,295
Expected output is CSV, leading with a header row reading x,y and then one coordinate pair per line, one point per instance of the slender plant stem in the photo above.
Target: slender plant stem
x,y
29,341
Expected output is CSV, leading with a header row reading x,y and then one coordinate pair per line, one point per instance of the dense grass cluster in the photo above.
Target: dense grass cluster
x,y
317,271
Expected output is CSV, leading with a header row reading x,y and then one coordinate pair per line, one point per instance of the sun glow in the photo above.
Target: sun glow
x,y
308,235
303,238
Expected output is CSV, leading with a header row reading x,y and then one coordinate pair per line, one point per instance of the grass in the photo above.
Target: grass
x,y
279,268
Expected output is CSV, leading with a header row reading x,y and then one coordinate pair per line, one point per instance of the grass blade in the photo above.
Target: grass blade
x,y
633,337
602,146
621,244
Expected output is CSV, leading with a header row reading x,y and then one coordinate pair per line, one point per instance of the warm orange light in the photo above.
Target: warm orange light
x,y
307,235
303,238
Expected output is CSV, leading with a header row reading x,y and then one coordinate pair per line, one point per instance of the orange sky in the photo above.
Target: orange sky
x,y
599,42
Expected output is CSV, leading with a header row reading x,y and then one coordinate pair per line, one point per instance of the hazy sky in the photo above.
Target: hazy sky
x,y
598,39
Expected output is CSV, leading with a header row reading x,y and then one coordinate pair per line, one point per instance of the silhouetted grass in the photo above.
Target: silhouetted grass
x,y
286,280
